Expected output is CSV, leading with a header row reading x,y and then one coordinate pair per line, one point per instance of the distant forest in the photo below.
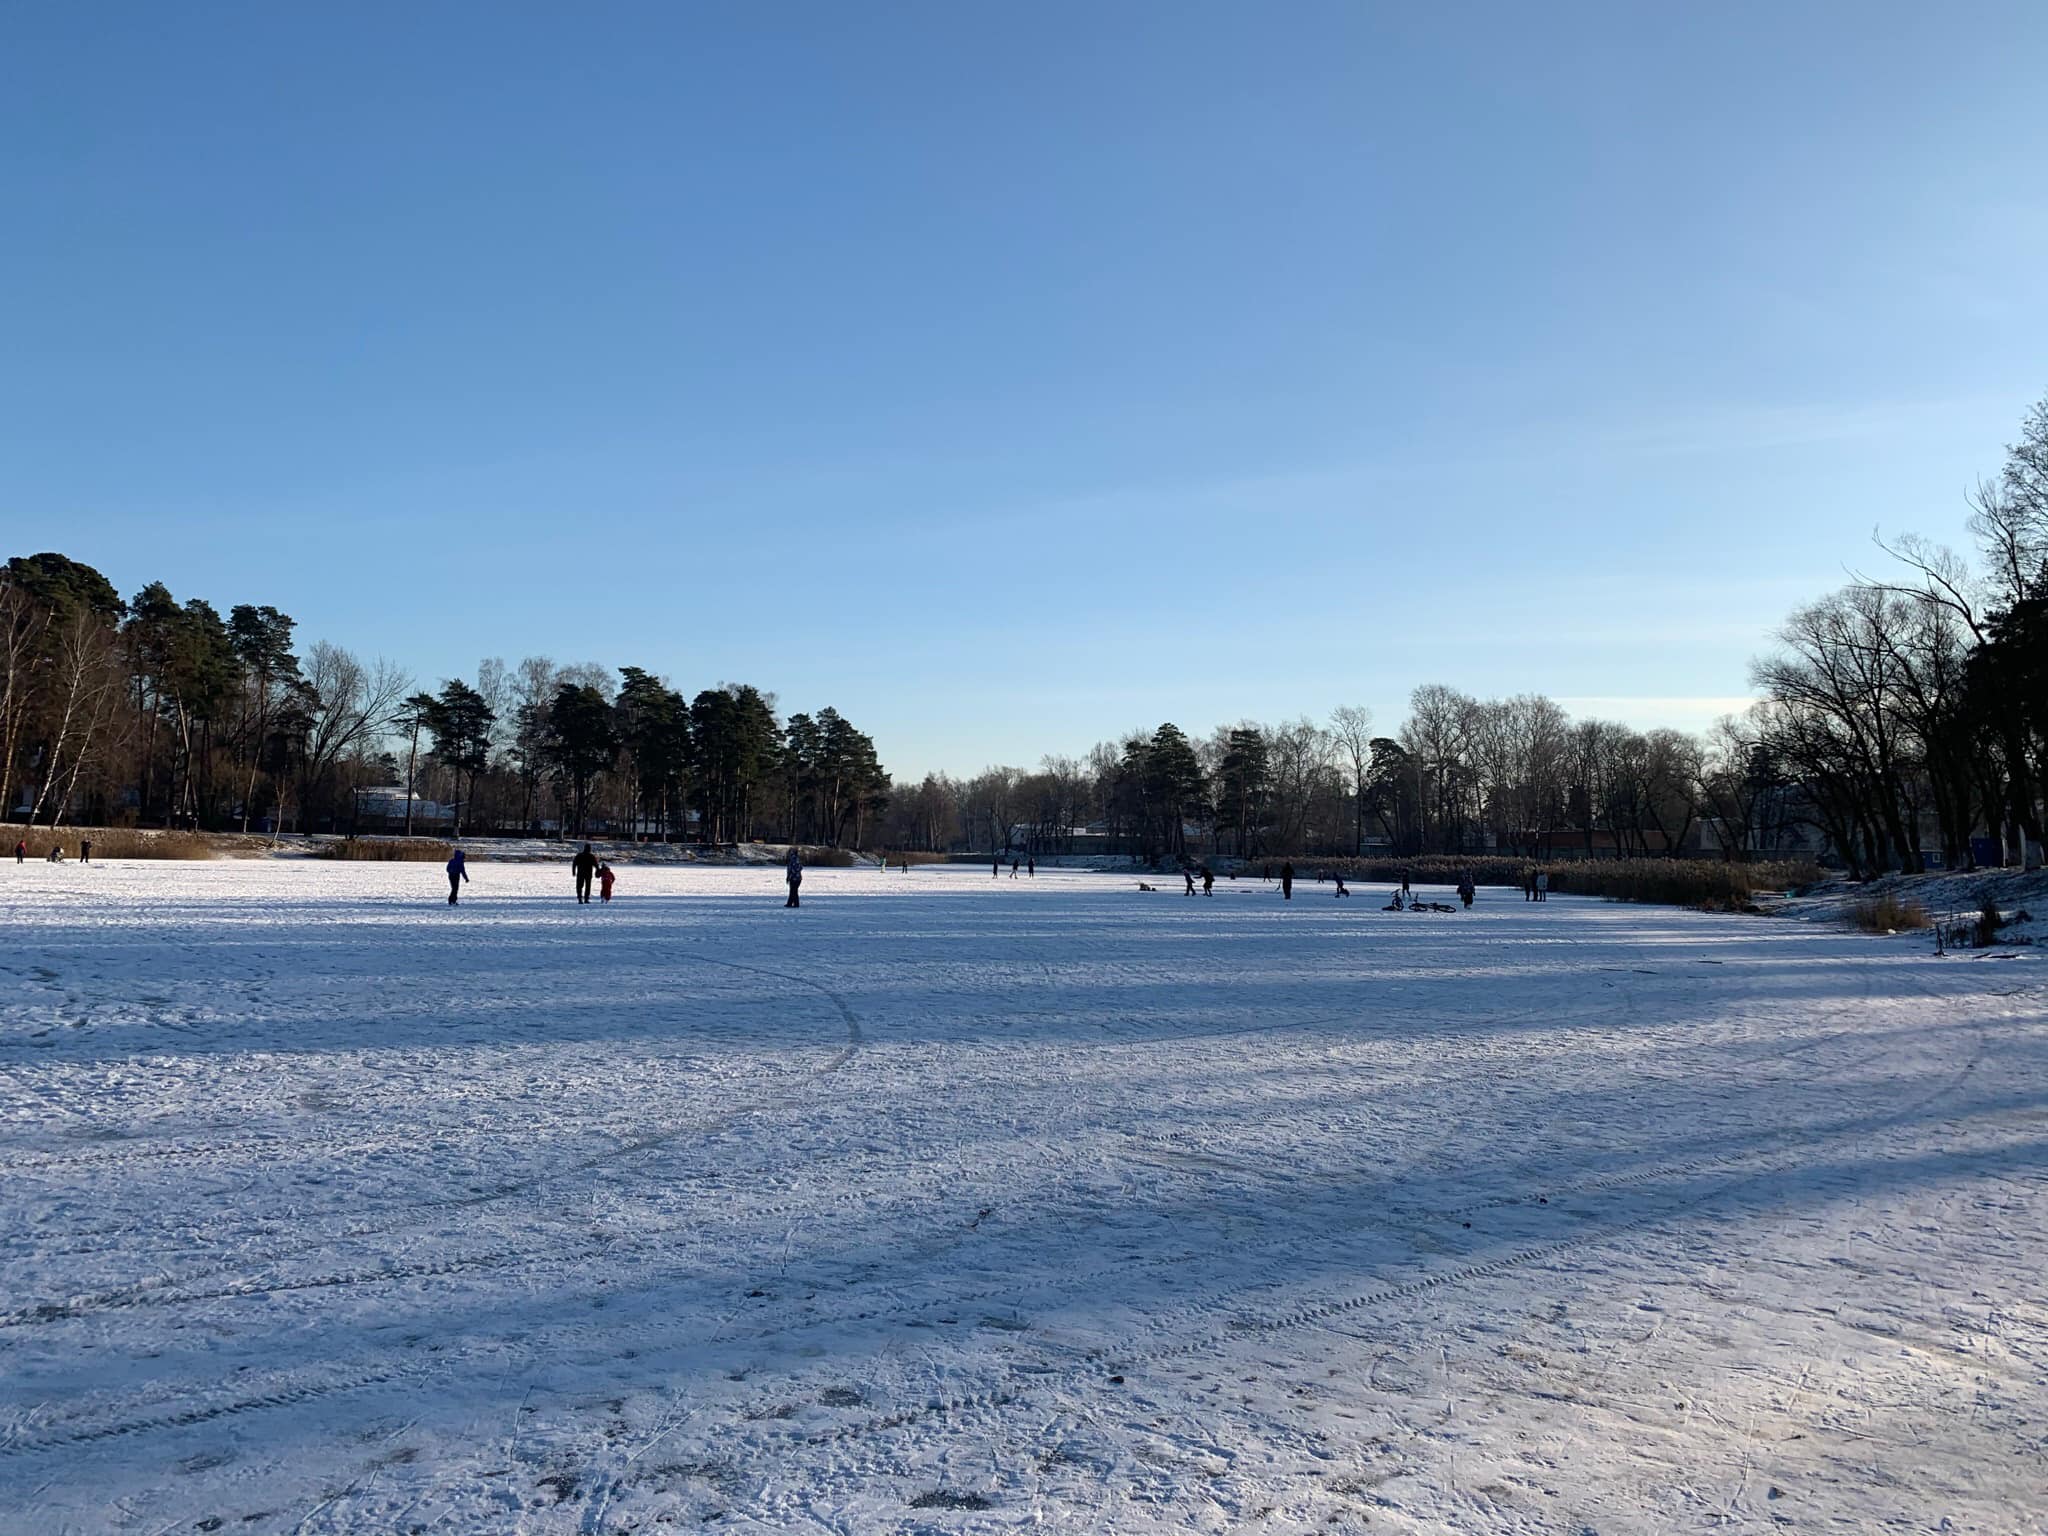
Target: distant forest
x,y
1902,721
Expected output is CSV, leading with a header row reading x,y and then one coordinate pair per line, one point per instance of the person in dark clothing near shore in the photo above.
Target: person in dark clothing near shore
x,y
85,851
1031,866
793,872
1187,873
1208,881
458,871
1287,881
585,867
995,867
20,849
1466,889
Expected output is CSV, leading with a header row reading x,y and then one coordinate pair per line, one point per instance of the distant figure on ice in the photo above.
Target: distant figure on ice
x,y
1287,881
1187,873
605,877
1543,885
1031,866
793,872
85,851
56,854
1268,876
1466,890
457,873
1015,864
20,849
995,868
1208,881
1342,888
1405,892
1529,885
585,867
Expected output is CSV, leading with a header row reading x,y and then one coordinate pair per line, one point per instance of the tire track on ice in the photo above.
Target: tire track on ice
x,y
172,1293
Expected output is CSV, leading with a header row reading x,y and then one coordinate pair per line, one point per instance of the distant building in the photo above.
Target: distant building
x,y
382,809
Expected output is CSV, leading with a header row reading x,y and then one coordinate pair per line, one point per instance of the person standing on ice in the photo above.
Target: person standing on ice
x,y
584,866
1031,865
20,849
457,873
1466,890
1287,881
995,868
1208,881
1543,885
605,877
793,872
85,851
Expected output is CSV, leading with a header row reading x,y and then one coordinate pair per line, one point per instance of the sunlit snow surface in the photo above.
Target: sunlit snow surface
x,y
959,1204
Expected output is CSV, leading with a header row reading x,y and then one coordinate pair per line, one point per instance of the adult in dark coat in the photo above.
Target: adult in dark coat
x,y
585,867
1287,881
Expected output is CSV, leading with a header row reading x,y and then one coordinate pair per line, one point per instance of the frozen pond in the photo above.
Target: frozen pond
x,y
959,1204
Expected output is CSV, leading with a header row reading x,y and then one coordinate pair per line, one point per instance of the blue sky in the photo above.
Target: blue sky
x,y
1011,376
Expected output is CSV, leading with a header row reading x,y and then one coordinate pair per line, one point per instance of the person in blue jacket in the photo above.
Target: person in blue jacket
x,y
457,873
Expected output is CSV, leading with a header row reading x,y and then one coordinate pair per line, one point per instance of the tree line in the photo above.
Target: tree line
x,y
1896,719
151,711
1900,719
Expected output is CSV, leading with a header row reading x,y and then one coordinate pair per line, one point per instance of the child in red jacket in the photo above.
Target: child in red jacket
x,y
604,882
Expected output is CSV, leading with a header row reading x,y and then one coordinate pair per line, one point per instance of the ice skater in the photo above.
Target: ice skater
x,y
584,866
1208,881
793,872
605,877
1187,873
1287,881
1342,888
458,872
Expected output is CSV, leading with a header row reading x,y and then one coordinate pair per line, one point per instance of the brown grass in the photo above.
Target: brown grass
x,y
1887,914
109,842
1711,884
390,850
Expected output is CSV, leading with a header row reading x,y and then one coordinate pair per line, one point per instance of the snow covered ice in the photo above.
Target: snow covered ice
x,y
958,1204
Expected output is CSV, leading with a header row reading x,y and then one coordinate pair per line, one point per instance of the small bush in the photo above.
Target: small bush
x,y
390,850
1989,921
1887,914
111,842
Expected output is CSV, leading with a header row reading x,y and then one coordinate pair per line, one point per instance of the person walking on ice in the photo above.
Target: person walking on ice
x,y
605,877
1287,881
1187,873
1208,881
584,865
458,872
995,867
793,872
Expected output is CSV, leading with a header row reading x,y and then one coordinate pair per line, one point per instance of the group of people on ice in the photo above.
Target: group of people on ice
x,y
56,853
586,867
